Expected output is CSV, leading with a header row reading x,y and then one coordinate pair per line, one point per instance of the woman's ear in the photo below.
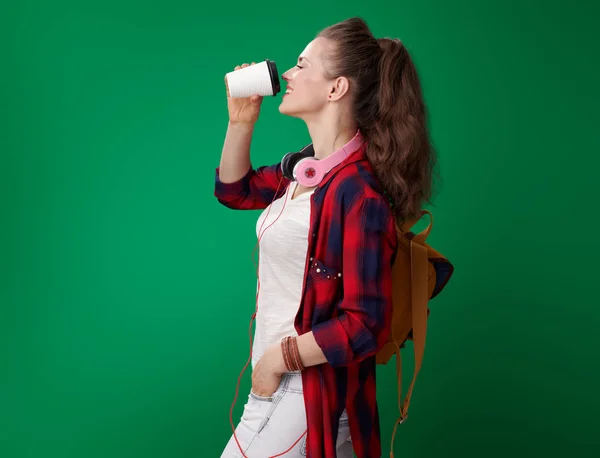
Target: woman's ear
x,y
339,88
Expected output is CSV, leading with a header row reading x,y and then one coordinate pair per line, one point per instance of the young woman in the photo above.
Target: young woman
x,y
326,251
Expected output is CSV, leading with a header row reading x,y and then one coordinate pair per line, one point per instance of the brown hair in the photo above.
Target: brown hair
x,y
389,110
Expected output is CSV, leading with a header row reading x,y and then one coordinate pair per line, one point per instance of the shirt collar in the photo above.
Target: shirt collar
x,y
359,155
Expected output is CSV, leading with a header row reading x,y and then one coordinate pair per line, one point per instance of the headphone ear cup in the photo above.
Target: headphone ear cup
x,y
288,163
284,166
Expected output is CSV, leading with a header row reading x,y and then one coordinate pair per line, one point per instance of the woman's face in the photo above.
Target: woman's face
x,y
307,92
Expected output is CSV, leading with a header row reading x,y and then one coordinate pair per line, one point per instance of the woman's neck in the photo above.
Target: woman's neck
x,y
328,137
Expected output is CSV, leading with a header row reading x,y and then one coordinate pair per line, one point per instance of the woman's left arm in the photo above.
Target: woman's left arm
x,y
362,325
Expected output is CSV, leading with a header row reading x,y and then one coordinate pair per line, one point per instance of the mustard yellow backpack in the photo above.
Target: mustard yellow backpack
x,y
419,274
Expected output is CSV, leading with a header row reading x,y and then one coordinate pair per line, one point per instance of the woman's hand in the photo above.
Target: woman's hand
x,y
267,373
243,110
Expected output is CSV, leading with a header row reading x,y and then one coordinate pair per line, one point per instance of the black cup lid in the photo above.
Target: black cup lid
x,y
275,84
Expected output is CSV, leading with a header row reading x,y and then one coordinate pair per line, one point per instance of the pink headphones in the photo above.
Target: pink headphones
x,y
304,168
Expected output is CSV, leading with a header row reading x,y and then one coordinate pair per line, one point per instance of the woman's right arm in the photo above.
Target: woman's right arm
x,y
235,157
237,184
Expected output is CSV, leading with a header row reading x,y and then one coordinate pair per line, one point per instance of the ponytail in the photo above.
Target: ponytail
x,y
399,148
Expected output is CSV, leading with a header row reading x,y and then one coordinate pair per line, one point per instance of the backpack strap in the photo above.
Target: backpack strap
x,y
418,260
419,300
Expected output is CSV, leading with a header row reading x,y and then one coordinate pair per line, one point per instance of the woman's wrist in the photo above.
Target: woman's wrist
x,y
291,354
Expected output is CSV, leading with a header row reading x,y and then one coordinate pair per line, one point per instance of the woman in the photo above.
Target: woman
x,y
327,251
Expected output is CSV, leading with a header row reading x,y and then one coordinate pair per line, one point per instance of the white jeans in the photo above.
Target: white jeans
x,y
269,426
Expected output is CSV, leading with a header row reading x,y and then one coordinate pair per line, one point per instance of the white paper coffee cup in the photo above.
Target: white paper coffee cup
x,y
258,79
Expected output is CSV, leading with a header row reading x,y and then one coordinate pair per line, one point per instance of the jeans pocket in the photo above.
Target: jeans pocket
x,y
261,398
268,404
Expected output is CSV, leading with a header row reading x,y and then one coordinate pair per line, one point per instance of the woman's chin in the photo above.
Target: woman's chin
x,y
285,109
288,109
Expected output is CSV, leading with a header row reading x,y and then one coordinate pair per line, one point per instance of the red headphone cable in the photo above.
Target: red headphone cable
x,y
250,327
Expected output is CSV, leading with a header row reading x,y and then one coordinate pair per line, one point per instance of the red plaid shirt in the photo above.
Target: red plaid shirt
x,y
346,299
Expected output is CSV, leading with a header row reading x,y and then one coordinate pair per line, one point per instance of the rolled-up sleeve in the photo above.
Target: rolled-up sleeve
x,y
363,322
255,190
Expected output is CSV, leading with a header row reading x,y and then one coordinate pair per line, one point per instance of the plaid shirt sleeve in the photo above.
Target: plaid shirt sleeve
x,y
255,190
363,322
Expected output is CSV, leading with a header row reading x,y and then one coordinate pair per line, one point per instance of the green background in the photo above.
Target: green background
x,y
126,289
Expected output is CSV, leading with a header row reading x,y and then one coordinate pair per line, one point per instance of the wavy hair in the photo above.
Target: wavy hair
x,y
389,110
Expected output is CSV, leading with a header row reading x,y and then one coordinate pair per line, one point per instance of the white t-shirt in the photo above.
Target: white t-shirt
x,y
282,258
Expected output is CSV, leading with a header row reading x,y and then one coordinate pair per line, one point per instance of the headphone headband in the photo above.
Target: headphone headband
x,y
309,171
